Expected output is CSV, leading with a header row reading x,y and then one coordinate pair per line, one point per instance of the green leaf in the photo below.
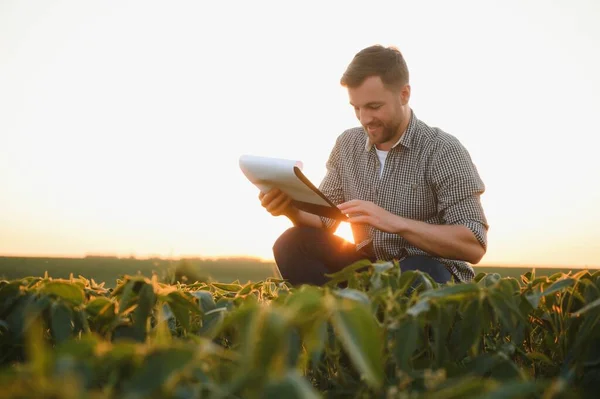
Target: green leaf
x,y
157,367
270,340
227,287
61,321
103,313
205,298
482,364
9,294
212,321
35,307
240,321
314,341
346,272
406,281
441,319
467,332
381,267
454,292
294,347
245,290
540,280
498,302
407,336
424,281
527,277
559,286
587,308
38,353
69,292
80,322
84,348
127,292
353,295
146,300
361,337
304,305
379,278
421,306
97,305
489,280
513,389
181,306
506,370
534,296
510,285
292,386
15,320
540,357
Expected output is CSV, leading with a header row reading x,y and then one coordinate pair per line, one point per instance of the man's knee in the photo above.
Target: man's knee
x,y
289,240
438,271
292,257
292,244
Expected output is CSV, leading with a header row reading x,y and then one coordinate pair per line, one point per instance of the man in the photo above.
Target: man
x,y
411,191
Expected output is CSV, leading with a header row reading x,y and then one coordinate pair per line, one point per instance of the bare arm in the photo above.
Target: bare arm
x,y
302,218
445,241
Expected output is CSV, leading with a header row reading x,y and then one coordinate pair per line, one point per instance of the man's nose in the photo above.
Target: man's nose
x,y
365,117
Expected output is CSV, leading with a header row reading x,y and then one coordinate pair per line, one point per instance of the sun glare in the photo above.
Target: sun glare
x,y
126,141
345,231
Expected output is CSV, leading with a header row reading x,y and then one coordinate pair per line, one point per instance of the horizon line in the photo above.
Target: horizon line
x,y
261,259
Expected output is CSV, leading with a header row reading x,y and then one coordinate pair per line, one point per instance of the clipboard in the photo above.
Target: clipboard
x,y
267,173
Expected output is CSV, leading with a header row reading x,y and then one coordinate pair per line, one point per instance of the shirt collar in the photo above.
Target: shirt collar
x,y
406,138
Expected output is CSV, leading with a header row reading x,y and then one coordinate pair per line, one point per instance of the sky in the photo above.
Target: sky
x,y
122,122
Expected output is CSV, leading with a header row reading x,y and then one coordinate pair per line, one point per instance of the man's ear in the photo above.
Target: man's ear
x,y
405,94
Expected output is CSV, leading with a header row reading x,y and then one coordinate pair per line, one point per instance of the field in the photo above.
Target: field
x,y
108,269
371,332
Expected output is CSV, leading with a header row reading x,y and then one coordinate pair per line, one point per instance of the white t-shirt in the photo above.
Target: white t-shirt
x,y
381,155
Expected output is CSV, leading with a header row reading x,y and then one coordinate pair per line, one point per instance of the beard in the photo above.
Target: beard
x,y
383,132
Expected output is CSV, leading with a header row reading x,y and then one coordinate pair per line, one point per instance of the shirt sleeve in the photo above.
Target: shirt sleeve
x,y
459,188
331,185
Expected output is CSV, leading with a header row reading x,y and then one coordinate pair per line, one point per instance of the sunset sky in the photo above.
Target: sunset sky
x,y
121,122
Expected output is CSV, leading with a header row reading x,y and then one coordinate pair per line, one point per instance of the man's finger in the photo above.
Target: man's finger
x,y
268,197
349,204
358,219
352,209
269,194
281,209
277,201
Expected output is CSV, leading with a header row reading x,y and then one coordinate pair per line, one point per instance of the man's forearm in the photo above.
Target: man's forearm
x,y
301,218
446,241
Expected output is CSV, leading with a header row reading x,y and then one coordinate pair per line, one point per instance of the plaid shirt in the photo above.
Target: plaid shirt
x,y
428,176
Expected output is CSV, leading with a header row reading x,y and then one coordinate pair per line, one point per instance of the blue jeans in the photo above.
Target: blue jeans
x,y
304,254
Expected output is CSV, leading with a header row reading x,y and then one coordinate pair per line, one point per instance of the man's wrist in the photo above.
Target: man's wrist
x,y
292,213
400,225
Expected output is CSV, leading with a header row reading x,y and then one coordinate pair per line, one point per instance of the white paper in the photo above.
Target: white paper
x,y
266,173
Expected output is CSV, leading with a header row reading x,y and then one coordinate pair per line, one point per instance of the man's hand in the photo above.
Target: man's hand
x,y
367,212
445,241
276,202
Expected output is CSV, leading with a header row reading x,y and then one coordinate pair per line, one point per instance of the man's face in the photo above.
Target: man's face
x,y
379,110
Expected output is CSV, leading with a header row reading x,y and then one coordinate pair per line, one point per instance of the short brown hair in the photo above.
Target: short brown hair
x,y
387,63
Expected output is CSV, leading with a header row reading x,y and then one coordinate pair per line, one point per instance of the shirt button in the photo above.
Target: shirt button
x,y
414,186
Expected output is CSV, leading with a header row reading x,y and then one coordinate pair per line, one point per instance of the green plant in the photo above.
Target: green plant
x,y
385,334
